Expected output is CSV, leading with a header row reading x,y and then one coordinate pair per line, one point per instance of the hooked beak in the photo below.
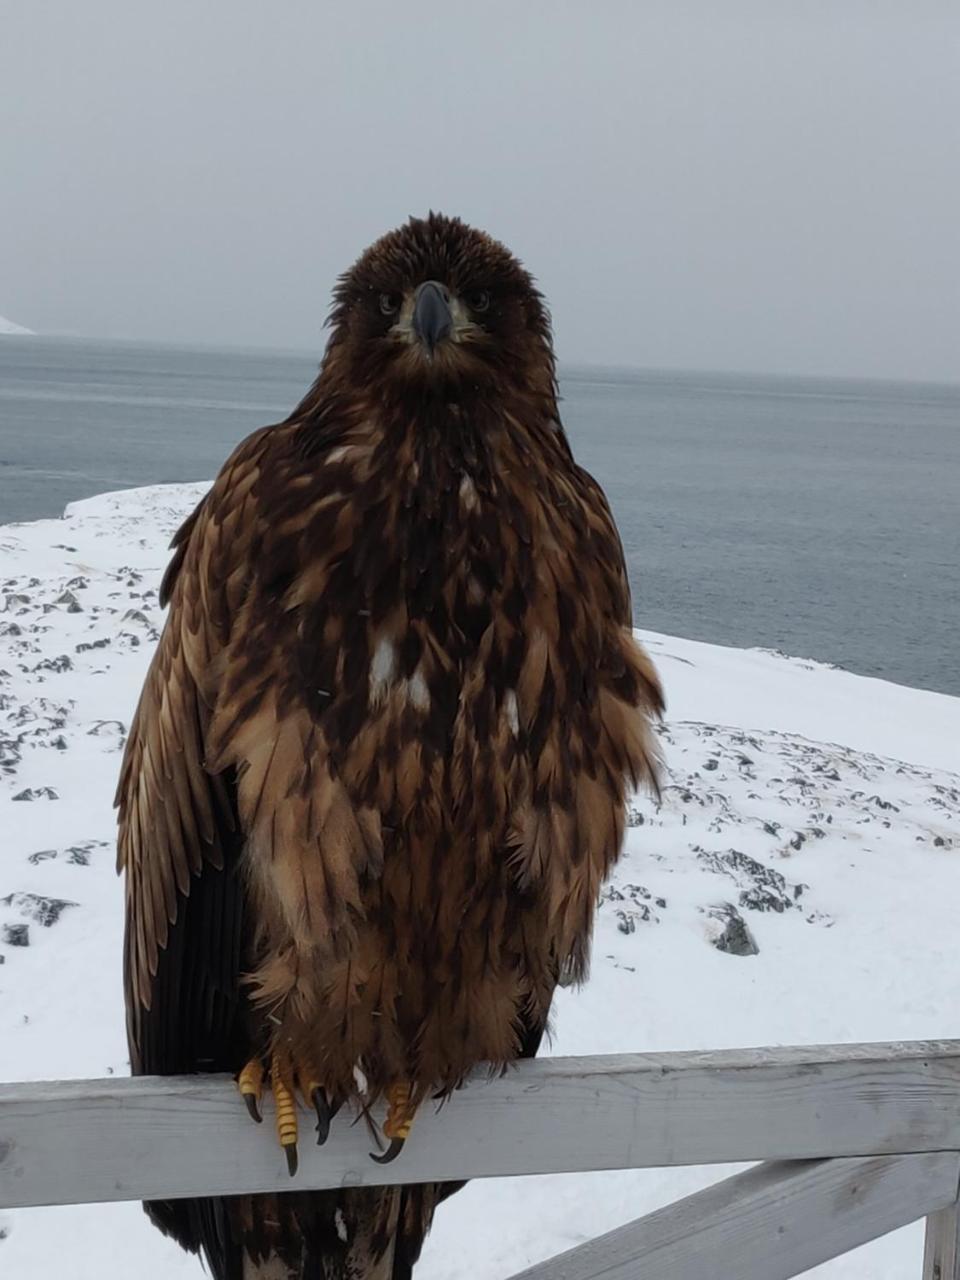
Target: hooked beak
x,y
432,320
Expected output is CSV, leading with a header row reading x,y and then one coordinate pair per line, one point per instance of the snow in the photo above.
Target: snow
x,y
817,808
7,327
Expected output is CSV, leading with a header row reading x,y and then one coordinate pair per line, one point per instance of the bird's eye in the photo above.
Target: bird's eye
x,y
478,300
390,303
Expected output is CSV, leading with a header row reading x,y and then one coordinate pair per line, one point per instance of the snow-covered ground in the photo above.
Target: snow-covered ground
x,y
810,816
9,328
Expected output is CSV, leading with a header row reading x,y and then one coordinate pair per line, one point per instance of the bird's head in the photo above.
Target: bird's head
x,y
439,308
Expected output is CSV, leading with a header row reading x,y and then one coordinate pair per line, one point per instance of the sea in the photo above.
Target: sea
x,y
819,517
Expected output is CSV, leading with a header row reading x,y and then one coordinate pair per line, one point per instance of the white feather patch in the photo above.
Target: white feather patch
x,y
382,670
511,711
417,691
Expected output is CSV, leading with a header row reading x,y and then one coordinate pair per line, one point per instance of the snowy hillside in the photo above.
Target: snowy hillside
x,y
9,328
810,825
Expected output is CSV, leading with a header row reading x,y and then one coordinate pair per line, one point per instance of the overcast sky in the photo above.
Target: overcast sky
x,y
767,186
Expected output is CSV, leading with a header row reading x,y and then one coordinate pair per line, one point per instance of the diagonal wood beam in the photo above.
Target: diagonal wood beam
x,y
769,1223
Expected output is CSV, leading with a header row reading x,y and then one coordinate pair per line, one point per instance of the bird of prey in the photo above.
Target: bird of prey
x,y
379,766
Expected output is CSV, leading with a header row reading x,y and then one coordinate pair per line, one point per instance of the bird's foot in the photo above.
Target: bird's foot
x,y
285,1079
401,1110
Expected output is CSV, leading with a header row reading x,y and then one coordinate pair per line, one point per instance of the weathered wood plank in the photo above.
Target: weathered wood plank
x,y
941,1249
769,1223
85,1141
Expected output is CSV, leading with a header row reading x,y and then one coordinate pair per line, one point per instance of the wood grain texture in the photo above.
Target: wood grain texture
x,y
84,1141
941,1249
769,1223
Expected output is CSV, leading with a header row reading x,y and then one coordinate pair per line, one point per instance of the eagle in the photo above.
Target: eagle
x,y
380,762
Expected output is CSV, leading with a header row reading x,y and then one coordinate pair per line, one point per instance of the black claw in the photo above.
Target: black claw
x,y
324,1115
292,1159
251,1100
391,1153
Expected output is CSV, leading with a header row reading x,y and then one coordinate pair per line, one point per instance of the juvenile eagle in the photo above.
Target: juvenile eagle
x,y
378,769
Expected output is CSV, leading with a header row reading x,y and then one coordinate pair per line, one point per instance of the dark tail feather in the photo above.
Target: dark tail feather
x,y
361,1233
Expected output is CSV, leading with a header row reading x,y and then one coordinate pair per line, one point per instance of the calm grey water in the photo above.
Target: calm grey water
x,y
817,517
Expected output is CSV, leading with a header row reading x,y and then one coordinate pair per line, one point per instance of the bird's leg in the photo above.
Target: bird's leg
x,y
250,1084
401,1110
286,1077
285,1104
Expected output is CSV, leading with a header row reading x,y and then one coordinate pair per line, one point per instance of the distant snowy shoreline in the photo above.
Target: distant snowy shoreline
x,y
9,329
797,884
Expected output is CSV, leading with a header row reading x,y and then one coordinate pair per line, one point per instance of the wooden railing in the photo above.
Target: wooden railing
x,y
856,1141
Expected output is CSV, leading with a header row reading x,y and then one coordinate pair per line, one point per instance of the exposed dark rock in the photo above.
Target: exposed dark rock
x,y
637,899
762,888
9,755
107,729
37,793
42,910
735,938
71,601
80,854
41,855
882,804
91,644
16,935
58,664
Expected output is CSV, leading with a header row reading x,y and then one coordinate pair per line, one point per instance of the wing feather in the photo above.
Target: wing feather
x,y
179,838
175,820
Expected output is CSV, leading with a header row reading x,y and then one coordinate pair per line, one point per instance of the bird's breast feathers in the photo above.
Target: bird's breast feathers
x,y
431,697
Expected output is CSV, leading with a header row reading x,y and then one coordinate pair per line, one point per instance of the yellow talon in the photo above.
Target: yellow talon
x,y
250,1084
399,1121
400,1113
285,1079
285,1103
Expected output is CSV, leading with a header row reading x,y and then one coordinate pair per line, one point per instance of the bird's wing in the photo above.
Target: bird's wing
x,y
587,694
179,838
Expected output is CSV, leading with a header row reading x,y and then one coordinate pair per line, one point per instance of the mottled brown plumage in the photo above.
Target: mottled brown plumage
x,y
378,770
